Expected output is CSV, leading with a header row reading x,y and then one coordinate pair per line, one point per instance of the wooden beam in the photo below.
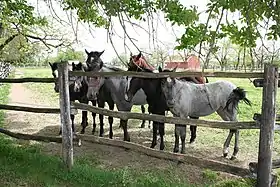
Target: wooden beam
x,y
31,137
267,126
64,99
183,158
188,159
30,109
166,74
30,79
172,120
259,83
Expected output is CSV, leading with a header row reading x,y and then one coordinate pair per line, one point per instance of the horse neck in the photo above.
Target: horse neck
x,y
152,89
113,83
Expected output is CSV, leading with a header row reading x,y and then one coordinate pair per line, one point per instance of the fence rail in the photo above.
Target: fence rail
x,y
171,120
24,80
170,74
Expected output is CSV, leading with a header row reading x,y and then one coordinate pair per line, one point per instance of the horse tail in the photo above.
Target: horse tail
x,y
206,80
238,94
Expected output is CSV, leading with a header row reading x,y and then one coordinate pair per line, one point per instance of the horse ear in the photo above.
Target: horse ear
x,y
174,70
86,52
159,69
50,64
100,53
131,54
139,56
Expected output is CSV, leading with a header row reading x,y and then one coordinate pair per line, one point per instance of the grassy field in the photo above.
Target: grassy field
x,y
29,165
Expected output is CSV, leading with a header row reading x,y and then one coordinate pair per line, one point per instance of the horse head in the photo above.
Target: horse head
x,y
167,87
134,84
79,81
94,61
94,84
54,69
138,62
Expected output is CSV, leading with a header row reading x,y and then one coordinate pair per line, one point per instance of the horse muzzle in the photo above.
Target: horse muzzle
x,y
92,96
127,97
170,104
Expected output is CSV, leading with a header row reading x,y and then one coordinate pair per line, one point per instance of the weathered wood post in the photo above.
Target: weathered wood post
x,y
64,98
267,125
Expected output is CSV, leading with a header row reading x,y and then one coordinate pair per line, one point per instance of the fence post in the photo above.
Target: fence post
x,y
64,99
267,125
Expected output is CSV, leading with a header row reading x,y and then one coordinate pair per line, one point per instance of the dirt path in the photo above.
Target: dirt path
x,y
109,157
26,122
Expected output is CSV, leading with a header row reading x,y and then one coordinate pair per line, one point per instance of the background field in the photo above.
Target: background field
x,y
128,165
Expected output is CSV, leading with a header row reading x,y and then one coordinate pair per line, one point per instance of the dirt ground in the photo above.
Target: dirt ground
x,y
109,157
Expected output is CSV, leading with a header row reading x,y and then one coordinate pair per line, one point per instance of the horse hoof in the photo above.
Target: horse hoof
x,y
161,148
176,150
183,152
82,131
92,132
225,155
233,158
111,136
153,146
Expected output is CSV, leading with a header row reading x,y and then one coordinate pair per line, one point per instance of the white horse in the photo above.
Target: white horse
x,y
188,99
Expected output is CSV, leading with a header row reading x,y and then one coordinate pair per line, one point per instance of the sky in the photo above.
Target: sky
x,y
96,39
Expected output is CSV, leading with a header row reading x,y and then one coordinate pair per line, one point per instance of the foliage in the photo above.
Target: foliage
x,y
68,54
120,60
243,32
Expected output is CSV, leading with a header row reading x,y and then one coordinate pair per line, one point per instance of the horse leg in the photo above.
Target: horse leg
x,y
72,121
236,145
143,112
183,138
193,131
125,133
161,134
227,142
176,146
155,129
110,119
93,118
101,104
229,116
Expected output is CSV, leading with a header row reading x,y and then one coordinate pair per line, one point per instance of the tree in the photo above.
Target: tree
x,y
68,54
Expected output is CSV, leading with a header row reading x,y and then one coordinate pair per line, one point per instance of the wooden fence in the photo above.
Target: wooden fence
x,y
5,69
265,123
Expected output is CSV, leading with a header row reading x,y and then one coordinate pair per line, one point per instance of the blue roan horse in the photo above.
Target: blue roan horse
x,y
117,86
186,99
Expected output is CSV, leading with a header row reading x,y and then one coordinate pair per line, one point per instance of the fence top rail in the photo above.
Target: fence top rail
x,y
169,74
27,79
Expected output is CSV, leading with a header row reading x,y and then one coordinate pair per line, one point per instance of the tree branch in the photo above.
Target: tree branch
x,y
7,41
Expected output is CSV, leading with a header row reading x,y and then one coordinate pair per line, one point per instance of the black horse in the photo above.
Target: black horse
x,y
80,95
156,101
103,97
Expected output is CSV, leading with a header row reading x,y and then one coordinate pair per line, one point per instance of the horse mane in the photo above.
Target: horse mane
x,y
112,68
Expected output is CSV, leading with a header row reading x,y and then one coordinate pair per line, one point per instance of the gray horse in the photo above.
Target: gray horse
x,y
188,99
117,87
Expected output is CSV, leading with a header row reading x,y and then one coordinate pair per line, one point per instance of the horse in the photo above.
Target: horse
x,y
117,86
75,94
138,62
95,63
80,84
187,99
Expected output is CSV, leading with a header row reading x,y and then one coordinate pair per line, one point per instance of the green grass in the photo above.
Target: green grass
x,y
27,165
